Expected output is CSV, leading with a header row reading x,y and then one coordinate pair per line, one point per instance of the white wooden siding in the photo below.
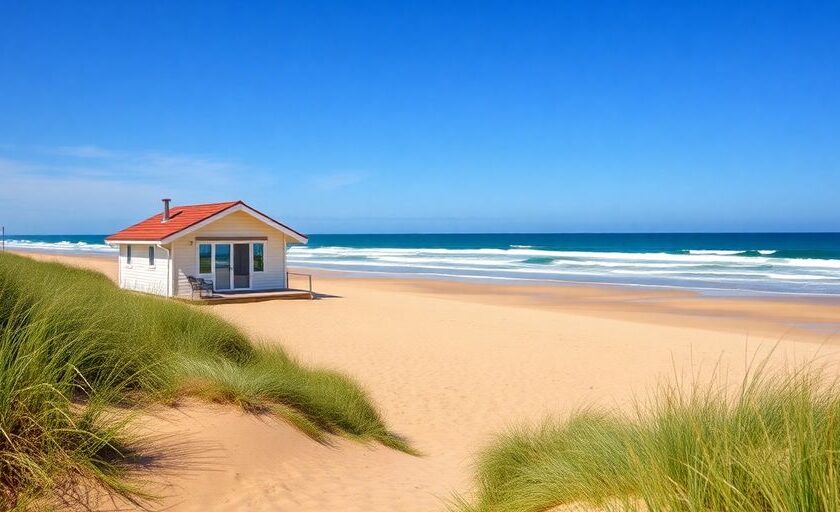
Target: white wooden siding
x,y
139,275
238,224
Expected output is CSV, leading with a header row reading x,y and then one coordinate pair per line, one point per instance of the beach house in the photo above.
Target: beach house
x,y
223,247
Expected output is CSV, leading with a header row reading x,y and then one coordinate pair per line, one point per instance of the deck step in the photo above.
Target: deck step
x,y
234,297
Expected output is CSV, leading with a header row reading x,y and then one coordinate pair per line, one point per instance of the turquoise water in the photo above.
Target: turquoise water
x,y
800,263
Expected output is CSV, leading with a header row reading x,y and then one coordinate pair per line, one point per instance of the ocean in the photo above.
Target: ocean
x,y
721,263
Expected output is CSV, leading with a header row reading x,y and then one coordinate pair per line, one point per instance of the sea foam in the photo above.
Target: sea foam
x,y
801,269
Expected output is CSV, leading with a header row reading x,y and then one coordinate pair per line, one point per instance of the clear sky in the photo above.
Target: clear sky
x,y
427,116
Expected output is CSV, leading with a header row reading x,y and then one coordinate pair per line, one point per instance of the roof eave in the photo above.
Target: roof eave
x,y
235,206
110,241
238,206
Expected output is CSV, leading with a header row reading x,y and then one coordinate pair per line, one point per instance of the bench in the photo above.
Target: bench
x,y
201,286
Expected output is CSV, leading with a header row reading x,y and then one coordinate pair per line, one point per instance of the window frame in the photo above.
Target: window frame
x,y
212,250
128,254
196,246
151,256
254,256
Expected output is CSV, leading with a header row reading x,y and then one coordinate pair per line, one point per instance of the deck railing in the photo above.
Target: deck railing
x,y
308,276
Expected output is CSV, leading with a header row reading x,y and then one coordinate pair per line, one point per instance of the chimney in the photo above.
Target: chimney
x,y
165,210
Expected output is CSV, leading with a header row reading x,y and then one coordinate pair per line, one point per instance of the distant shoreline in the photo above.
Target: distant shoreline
x,y
408,274
715,264
642,292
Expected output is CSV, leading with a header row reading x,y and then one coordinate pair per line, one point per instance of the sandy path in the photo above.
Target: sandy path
x,y
450,366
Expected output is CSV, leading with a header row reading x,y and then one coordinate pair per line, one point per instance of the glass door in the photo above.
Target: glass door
x,y
222,267
241,265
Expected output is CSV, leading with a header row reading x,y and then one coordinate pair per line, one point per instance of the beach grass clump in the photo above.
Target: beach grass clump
x,y
773,445
74,347
317,400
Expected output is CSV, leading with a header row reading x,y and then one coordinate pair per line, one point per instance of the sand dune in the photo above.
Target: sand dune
x,y
450,365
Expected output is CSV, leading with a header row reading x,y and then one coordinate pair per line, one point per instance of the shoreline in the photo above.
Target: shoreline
x,y
815,319
503,281
802,282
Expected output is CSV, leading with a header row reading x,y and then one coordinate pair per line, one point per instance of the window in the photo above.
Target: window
x,y
128,254
205,258
151,255
259,257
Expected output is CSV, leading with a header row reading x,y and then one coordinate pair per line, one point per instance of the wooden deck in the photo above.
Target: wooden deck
x,y
230,296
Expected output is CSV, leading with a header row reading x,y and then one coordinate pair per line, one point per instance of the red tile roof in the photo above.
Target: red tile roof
x,y
180,218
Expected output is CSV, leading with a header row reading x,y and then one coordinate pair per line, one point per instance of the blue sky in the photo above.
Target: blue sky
x,y
429,116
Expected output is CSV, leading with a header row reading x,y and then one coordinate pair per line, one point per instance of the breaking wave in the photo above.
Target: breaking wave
x,y
60,246
758,270
808,266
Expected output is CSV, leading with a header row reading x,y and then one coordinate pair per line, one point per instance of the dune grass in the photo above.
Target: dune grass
x,y
72,346
773,446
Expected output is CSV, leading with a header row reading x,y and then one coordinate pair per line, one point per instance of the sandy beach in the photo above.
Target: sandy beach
x,y
452,364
